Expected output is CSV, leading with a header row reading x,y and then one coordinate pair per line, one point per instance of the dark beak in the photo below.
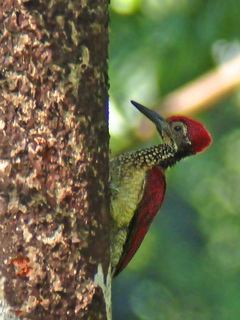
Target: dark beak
x,y
159,121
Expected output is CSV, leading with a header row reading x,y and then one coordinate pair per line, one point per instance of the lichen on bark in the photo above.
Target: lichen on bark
x,y
53,157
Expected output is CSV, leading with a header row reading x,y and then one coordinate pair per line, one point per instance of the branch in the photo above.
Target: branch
x,y
198,95
205,91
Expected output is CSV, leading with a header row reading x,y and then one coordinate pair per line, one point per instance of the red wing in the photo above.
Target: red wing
x,y
148,208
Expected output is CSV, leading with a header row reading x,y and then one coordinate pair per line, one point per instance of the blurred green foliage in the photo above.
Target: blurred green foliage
x,y
188,267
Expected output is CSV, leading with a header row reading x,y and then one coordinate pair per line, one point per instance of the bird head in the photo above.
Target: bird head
x,y
186,135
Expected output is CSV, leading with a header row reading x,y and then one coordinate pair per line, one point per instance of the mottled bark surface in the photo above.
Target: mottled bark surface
x,y
53,158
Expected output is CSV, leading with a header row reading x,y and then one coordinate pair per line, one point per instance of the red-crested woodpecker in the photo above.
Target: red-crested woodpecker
x,y
138,181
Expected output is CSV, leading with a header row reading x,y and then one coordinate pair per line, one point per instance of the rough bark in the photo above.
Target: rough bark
x,y
54,248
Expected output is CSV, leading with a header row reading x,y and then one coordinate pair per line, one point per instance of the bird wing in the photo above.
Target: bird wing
x,y
148,207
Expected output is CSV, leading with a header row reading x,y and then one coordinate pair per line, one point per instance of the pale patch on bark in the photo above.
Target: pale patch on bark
x,y
5,311
106,286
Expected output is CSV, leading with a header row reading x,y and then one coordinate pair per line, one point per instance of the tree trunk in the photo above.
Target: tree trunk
x,y
54,214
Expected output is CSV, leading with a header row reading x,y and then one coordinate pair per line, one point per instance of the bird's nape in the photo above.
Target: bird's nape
x,y
197,133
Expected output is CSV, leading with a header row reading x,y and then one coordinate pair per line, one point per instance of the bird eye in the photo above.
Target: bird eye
x,y
178,128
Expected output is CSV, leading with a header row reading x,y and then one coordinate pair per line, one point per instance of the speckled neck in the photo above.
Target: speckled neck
x,y
161,155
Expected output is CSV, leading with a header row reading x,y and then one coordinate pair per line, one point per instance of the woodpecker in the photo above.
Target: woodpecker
x,y
138,183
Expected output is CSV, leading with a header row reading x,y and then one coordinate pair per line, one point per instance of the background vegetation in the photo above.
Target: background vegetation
x,y
188,266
